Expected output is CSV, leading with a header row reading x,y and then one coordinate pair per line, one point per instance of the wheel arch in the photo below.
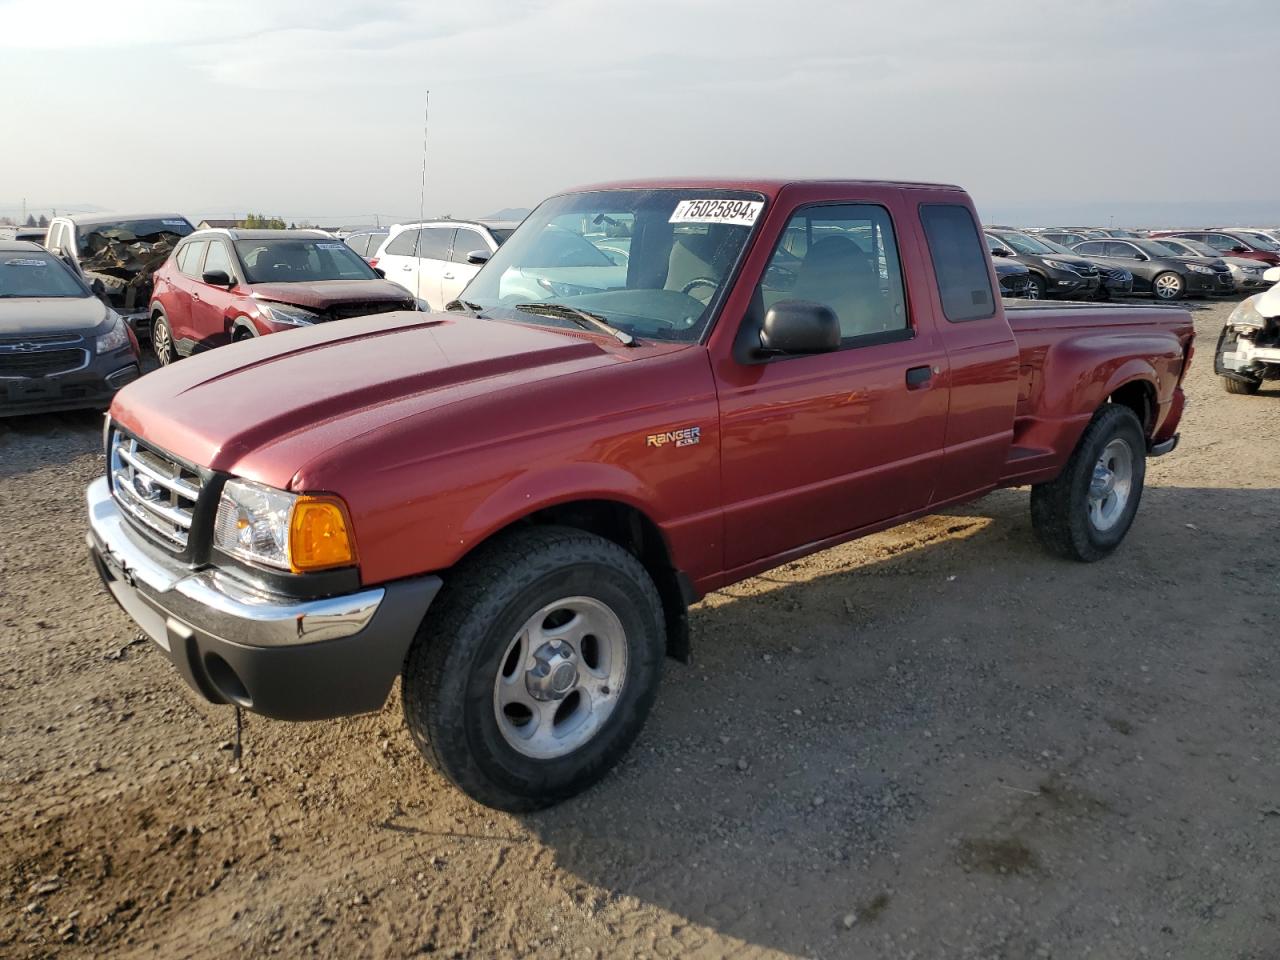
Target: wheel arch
x,y
240,328
1138,394
631,528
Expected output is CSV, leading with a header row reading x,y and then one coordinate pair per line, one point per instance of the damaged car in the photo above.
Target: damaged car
x,y
117,256
1249,347
61,348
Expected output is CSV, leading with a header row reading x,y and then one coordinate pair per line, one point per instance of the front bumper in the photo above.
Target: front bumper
x,y
233,643
91,388
1208,283
1061,284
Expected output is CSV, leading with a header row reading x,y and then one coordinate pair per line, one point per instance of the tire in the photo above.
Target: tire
x,y
1168,286
471,673
1249,387
1036,289
162,344
1071,516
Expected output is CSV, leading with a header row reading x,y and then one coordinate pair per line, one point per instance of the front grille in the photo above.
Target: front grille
x,y
39,362
153,489
345,310
1117,276
1014,286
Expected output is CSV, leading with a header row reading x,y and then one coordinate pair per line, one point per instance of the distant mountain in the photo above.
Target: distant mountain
x,y
11,209
509,213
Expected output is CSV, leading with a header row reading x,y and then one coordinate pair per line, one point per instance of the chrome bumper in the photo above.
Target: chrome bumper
x,y
153,592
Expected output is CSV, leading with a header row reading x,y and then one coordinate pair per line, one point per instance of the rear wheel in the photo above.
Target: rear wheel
x,y
1085,512
537,667
1168,286
162,340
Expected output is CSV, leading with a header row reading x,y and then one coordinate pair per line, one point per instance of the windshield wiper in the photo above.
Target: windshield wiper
x,y
581,317
466,304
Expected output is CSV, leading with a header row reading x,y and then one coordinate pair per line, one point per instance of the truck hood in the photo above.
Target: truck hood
x,y
43,316
323,294
263,408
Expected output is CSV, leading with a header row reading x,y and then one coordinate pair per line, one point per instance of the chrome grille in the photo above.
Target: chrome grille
x,y
153,489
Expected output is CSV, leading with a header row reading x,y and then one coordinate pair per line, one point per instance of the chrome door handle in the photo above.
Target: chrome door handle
x,y
407,266
448,276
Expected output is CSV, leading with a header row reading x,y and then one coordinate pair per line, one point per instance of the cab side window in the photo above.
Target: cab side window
x,y
844,256
467,241
403,244
191,256
433,243
217,259
959,262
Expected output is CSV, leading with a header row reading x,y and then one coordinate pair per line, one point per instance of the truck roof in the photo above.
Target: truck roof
x,y
770,187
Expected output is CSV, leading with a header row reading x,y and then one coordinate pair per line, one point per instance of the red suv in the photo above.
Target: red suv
x,y
226,285
1231,243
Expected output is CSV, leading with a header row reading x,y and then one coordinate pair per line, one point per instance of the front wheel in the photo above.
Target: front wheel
x,y
1036,287
1085,512
162,340
537,669
1241,385
1168,286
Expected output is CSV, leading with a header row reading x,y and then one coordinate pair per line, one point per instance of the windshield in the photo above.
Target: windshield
x,y
650,262
1025,244
1055,246
36,273
1262,242
301,260
1190,248
1154,249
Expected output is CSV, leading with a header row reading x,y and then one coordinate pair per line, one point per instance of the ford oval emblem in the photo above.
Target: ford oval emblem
x,y
146,488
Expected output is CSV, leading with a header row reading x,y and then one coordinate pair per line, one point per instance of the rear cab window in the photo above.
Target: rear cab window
x,y
960,263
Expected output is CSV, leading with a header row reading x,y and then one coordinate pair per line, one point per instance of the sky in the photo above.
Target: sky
x,y
1141,110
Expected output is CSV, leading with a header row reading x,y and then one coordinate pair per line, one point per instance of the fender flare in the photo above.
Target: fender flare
x,y
241,322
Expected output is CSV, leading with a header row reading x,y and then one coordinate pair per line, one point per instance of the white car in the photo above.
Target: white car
x,y
436,259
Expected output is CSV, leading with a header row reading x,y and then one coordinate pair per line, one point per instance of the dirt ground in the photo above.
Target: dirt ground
x,y
934,743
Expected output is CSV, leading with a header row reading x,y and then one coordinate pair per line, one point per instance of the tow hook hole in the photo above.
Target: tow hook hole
x,y
226,681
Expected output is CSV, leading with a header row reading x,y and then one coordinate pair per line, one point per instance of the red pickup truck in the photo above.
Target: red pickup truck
x,y
511,504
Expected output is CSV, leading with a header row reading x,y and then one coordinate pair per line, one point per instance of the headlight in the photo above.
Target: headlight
x,y
1057,265
1199,268
1246,315
285,530
113,339
285,313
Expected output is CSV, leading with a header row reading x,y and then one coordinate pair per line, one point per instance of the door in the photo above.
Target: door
x,y
210,304
459,272
399,262
433,263
816,446
185,283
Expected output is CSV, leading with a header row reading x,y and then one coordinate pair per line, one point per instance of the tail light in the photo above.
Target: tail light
x,y
373,261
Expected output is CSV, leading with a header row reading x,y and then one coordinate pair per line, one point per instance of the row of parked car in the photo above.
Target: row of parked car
x,y
156,277
1096,264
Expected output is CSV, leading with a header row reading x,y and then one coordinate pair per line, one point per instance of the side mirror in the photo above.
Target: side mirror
x,y
1001,252
380,272
1239,249
800,326
99,289
1141,256
218,278
478,257
1271,275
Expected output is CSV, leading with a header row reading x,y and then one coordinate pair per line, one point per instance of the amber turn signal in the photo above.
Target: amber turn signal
x,y
319,535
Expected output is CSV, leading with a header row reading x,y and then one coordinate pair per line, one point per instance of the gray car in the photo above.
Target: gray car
x,y
61,348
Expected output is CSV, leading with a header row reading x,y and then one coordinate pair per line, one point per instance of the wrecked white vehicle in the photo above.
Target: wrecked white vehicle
x,y
117,256
1249,347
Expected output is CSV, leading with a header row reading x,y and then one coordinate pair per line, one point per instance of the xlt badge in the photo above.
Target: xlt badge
x,y
684,437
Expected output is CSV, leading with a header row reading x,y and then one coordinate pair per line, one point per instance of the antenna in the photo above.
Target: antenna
x,y
422,190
